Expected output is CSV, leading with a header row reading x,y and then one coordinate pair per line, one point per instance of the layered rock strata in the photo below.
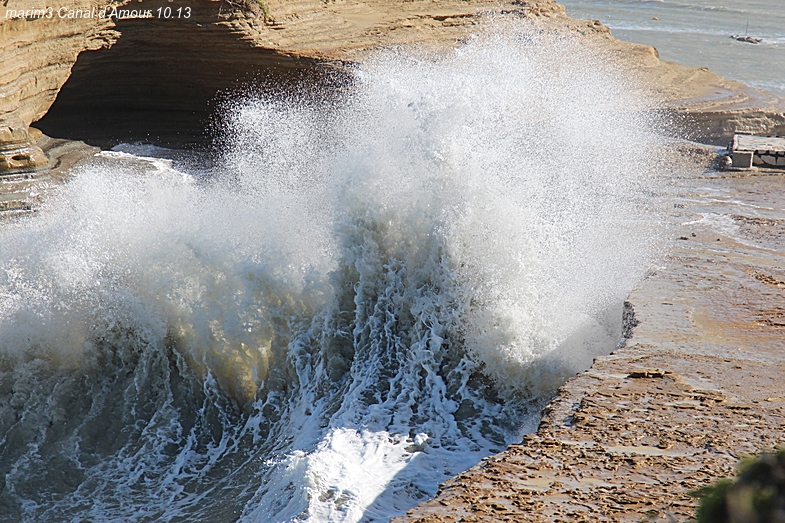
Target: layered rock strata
x,y
37,50
155,75
37,54
18,153
151,69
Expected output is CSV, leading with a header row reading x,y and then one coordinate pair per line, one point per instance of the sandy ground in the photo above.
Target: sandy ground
x,y
699,385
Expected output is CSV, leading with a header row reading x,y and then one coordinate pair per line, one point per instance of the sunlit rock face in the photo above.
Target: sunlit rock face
x,y
149,69
17,153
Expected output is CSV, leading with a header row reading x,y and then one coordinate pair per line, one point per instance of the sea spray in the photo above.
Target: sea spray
x,y
370,292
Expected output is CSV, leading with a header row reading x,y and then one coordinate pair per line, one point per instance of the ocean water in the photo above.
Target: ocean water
x,y
697,33
366,293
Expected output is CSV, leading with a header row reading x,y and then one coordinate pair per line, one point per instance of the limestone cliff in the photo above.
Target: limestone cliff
x,y
154,75
38,49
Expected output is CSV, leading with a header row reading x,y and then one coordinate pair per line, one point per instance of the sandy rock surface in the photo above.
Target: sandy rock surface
x,y
697,387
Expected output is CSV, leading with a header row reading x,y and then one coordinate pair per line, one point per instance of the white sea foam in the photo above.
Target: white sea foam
x,y
369,295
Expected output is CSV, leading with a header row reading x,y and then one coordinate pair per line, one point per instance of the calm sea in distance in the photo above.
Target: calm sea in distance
x,y
697,33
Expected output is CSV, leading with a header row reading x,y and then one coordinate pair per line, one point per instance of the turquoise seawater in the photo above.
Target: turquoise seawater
x,y
697,33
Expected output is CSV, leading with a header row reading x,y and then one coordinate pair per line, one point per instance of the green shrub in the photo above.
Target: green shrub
x,y
265,10
757,495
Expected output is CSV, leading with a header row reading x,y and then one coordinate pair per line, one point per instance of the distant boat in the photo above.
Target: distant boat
x,y
745,38
748,39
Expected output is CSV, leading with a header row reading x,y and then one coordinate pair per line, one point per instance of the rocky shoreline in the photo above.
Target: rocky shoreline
x,y
699,383
698,386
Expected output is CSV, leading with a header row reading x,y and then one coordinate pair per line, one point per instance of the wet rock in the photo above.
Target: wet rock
x,y
698,385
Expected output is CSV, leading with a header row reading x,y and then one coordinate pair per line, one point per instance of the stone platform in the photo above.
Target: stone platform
x,y
698,386
750,151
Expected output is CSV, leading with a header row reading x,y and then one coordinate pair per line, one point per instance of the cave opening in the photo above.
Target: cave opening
x,y
164,82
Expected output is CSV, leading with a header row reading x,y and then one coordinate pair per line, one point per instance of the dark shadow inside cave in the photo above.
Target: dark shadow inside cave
x,y
161,82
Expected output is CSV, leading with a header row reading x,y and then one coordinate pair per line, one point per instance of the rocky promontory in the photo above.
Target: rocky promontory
x,y
697,387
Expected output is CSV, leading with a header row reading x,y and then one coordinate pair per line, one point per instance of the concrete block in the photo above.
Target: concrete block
x,y
742,159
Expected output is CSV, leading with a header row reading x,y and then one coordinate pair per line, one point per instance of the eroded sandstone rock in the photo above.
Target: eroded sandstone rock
x,y
37,53
17,150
